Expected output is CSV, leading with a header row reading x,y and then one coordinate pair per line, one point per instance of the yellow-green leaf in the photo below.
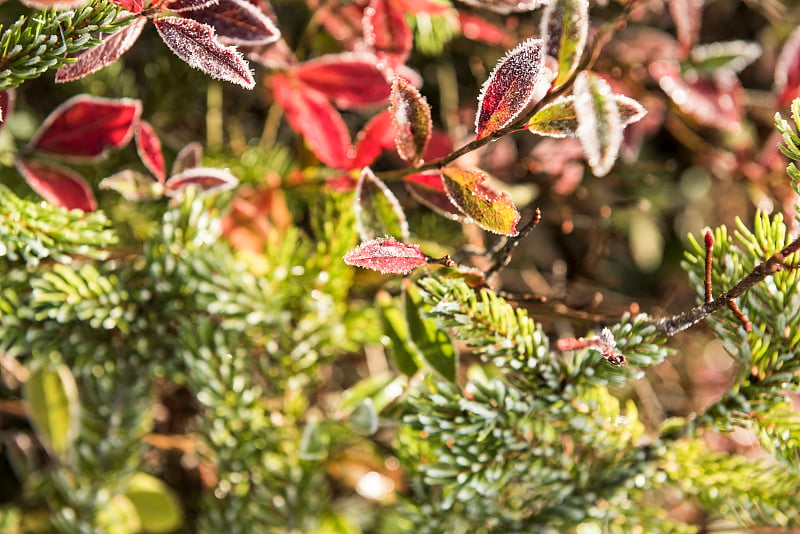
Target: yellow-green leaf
x,y
156,504
51,397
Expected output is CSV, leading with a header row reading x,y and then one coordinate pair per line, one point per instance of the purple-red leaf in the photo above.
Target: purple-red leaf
x,y
558,119
378,212
480,203
133,186
132,6
237,22
7,98
102,55
148,146
564,29
411,116
310,114
387,32
197,45
349,79
687,16
58,185
513,84
86,127
182,6
386,255
206,179
599,123
428,190
378,134
189,157
787,71
507,6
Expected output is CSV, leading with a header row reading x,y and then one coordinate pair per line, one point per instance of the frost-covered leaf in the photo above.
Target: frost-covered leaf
x,y
687,16
207,179
189,156
102,55
511,87
564,29
377,135
133,186
428,190
716,100
58,185
482,205
507,6
599,123
310,114
412,119
148,146
86,127
53,406
182,6
387,32
349,79
198,46
787,71
558,119
132,6
733,55
378,212
386,255
237,22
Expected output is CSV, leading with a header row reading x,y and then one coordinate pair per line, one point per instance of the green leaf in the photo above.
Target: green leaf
x,y
559,119
432,342
403,353
51,396
157,505
564,29
377,210
483,205
380,389
733,55
314,443
599,123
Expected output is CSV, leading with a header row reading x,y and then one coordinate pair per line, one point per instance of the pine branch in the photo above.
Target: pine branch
x,y
33,45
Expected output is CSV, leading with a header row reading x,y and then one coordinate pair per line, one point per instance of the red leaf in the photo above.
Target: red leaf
x,y
378,134
197,45
687,16
189,157
599,123
148,146
310,114
7,98
483,205
430,7
387,32
58,185
86,127
479,29
349,79
343,22
205,178
507,6
787,71
107,52
132,6
513,84
182,6
237,22
387,256
377,210
428,190
411,116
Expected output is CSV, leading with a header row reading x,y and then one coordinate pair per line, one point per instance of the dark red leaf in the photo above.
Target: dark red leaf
x,y
377,135
412,119
182,6
237,22
479,29
377,210
58,185
133,6
102,55
189,157
514,83
310,114
480,203
687,16
148,146
387,256
349,79
206,179
787,71
197,45
387,32
507,6
86,127
428,190
7,98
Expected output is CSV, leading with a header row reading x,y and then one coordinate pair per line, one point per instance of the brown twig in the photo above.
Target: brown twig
x,y
502,256
709,242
